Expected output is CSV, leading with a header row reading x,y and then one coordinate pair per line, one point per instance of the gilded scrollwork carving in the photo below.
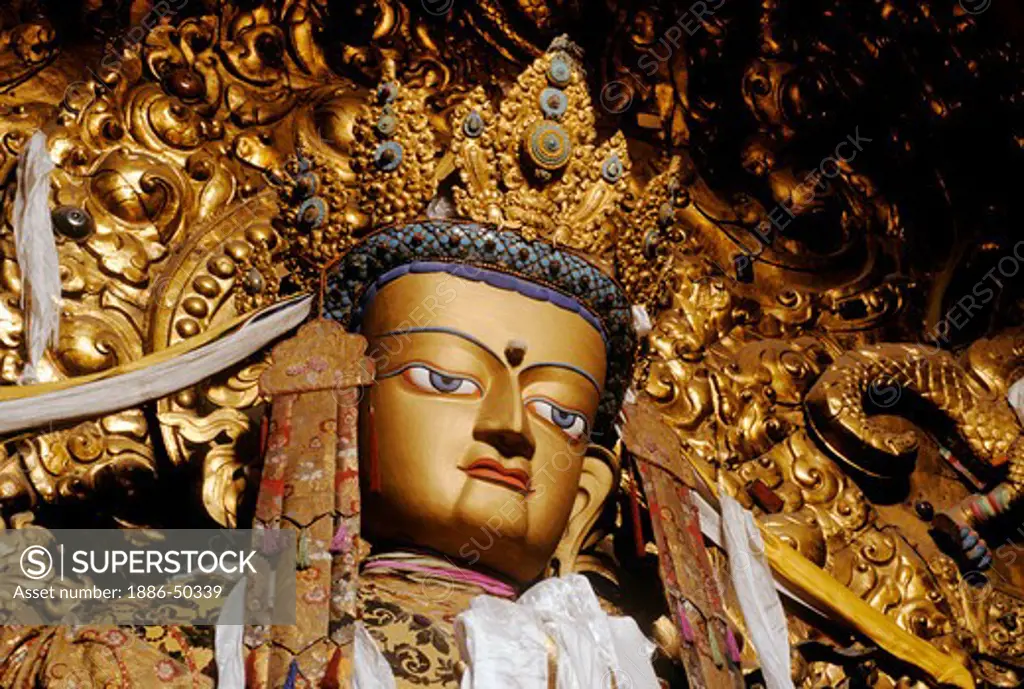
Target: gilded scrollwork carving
x,y
108,459
210,426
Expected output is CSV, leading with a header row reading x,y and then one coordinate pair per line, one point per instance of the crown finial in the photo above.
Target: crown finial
x,y
649,234
532,163
386,176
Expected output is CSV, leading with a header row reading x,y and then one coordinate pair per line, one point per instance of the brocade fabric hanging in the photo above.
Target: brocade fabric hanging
x,y
310,483
708,648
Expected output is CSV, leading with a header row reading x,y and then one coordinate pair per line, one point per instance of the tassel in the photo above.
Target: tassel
x,y
332,675
716,652
302,562
638,529
684,625
732,646
293,675
341,543
36,252
372,451
271,541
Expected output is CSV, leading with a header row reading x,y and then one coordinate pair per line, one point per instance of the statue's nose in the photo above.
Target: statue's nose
x,y
502,422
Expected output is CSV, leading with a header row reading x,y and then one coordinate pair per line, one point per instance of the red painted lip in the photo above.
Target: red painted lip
x,y
487,469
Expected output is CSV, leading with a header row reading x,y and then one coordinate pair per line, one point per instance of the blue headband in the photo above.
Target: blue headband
x,y
493,278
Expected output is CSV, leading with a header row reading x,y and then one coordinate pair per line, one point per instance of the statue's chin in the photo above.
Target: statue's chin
x,y
470,538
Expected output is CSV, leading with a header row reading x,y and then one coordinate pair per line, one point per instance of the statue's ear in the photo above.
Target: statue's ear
x,y
597,479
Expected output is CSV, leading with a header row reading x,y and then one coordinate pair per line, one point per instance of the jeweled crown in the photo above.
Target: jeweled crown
x,y
531,164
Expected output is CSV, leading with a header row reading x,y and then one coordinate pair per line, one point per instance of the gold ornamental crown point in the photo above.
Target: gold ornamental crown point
x,y
532,162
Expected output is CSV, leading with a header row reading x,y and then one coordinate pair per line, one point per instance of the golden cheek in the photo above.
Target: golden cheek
x,y
556,453
418,462
410,420
554,482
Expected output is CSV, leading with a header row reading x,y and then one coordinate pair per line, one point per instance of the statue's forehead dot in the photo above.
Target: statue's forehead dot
x,y
515,351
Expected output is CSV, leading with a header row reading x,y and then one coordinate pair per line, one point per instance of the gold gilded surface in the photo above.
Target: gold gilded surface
x,y
780,295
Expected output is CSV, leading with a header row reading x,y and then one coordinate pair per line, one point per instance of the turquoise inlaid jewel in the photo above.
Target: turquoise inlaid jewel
x,y
388,156
559,72
548,145
312,212
651,240
473,125
387,124
612,169
387,92
306,185
553,103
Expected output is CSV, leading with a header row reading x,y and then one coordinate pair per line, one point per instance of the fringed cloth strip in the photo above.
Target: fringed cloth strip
x,y
689,579
153,376
310,483
436,567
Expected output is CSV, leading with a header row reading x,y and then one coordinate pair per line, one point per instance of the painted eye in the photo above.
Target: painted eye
x,y
573,424
434,381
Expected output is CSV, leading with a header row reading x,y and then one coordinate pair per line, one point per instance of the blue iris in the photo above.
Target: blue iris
x,y
563,418
445,383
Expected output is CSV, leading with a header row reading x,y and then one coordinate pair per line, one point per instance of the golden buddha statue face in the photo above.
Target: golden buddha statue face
x,y
479,423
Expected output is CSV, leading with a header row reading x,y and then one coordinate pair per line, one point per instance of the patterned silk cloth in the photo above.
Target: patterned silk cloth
x,y
709,649
310,484
109,657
